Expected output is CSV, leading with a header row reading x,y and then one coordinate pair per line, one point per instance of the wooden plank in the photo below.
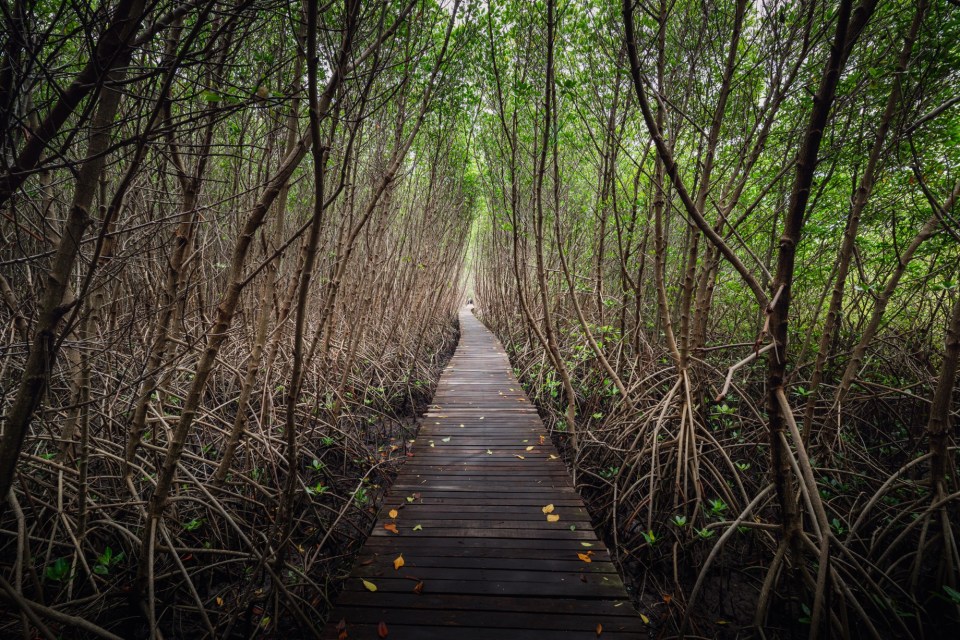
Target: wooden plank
x,y
489,561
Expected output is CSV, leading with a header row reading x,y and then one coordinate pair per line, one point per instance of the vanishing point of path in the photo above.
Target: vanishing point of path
x,y
480,557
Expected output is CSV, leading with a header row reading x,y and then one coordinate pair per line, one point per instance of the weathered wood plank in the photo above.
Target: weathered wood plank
x,y
488,561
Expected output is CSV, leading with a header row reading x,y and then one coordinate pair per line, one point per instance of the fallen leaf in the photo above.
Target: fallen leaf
x,y
543,439
219,601
530,448
447,439
393,513
419,527
599,629
431,444
553,517
548,509
398,562
369,585
418,588
342,629
645,619
392,528
587,544
382,630
518,456
489,452
481,417
461,426
409,498
722,622
584,557
553,457
667,598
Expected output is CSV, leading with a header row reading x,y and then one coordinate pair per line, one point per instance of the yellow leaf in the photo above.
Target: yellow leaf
x,y
548,509
599,629
530,448
553,517
645,619
587,544
393,513
584,557
553,457
489,452
369,585
519,456
398,562
219,601
392,528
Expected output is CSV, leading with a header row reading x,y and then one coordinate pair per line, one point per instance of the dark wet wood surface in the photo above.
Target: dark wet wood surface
x,y
480,559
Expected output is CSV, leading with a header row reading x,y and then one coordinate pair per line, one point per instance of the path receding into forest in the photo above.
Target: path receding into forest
x,y
483,553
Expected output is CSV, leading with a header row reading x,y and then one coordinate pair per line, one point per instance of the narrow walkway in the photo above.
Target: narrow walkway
x,y
467,514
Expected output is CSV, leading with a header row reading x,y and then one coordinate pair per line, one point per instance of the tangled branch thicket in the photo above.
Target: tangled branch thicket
x,y
721,249
219,315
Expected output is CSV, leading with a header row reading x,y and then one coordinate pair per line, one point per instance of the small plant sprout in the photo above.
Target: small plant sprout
x,y
316,465
706,533
361,497
317,489
717,507
609,472
193,525
650,537
680,521
743,466
106,560
837,527
58,570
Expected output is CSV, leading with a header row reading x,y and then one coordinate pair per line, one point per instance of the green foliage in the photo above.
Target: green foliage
x,y
58,570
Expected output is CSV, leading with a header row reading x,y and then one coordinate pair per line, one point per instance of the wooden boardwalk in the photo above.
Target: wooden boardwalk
x,y
479,557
